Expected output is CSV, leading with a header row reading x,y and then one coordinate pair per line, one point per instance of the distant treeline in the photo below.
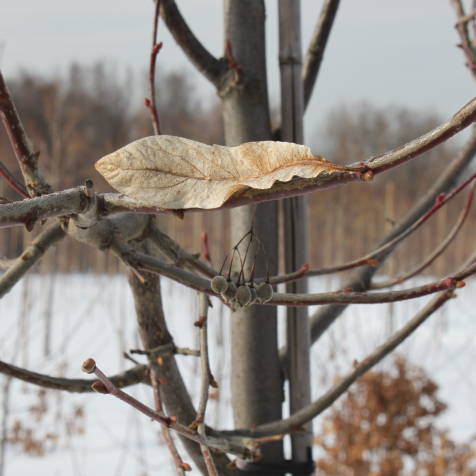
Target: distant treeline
x,y
77,118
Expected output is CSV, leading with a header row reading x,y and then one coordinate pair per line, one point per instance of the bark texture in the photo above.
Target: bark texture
x,y
256,378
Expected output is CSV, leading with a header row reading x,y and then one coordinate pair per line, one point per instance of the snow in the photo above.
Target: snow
x,y
93,316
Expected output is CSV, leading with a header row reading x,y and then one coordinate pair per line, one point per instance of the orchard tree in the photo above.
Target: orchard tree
x,y
262,176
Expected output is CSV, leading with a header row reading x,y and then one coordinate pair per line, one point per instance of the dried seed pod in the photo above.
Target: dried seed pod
x,y
264,292
253,293
230,292
243,295
219,284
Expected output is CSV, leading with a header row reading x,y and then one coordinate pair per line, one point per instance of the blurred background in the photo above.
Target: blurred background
x,y
78,72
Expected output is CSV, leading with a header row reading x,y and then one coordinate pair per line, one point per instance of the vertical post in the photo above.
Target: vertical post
x,y
295,223
256,375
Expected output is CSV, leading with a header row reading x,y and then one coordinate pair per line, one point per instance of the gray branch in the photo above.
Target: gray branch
x,y
201,58
317,46
132,376
27,212
29,257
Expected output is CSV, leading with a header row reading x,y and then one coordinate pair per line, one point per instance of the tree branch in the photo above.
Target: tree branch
x,y
75,201
436,253
200,57
365,171
29,257
326,315
462,27
370,258
26,157
132,376
148,263
295,421
369,297
177,254
463,118
150,102
13,182
143,261
225,445
317,46
26,212
206,379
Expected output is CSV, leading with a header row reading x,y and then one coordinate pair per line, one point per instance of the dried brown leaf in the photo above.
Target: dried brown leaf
x,y
177,173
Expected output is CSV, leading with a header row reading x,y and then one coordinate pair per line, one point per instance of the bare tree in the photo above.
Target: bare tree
x,y
129,228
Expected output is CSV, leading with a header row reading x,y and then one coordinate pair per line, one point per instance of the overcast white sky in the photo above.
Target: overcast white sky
x,y
382,51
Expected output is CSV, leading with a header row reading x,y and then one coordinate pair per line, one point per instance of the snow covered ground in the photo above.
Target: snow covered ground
x,y
92,316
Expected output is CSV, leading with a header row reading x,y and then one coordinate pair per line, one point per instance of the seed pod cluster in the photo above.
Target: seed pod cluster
x,y
244,295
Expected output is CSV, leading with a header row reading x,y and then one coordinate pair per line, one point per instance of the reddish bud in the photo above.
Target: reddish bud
x,y
89,366
439,198
99,387
157,47
368,176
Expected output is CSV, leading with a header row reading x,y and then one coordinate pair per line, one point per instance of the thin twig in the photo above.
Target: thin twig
x,y
360,281
206,379
167,349
205,252
150,102
227,445
467,18
317,46
12,181
439,250
369,259
29,257
287,278
207,454
368,297
463,31
138,374
180,465
299,418
27,158
295,421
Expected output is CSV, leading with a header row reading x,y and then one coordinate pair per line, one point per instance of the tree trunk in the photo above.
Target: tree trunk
x,y
153,332
256,377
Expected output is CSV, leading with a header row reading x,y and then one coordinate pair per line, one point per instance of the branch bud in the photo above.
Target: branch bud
x,y
89,366
99,387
